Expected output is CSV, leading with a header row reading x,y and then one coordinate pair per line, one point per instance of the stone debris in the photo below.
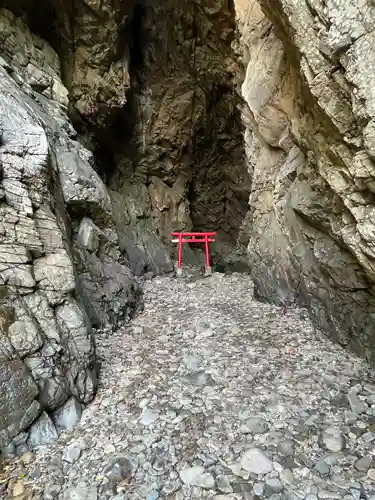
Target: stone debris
x,y
255,461
258,408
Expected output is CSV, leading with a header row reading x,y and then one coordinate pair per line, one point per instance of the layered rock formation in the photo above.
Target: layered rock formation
x,y
310,142
61,269
155,145
184,160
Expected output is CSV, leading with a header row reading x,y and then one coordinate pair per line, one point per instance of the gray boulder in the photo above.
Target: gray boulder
x,y
42,432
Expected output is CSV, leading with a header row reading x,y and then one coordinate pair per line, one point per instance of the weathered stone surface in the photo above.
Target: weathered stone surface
x,y
255,460
309,114
106,285
68,415
191,475
42,432
180,379
332,439
83,190
18,399
47,182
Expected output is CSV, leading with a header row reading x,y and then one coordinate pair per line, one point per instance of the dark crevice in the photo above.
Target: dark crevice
x,y
117,138
40,16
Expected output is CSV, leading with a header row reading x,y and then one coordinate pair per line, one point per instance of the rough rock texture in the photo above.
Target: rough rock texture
x,y
309,140
229,400
151,89
53,262
183,160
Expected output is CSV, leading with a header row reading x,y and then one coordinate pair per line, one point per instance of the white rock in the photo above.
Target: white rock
x,y
206,481
42,432
256,461
67,416
191,475
81,492
148,417
72,453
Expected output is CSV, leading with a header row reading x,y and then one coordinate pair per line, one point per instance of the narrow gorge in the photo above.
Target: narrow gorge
x,y
124,120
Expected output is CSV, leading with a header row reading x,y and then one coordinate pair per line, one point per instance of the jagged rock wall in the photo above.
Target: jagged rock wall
x,y
190,129
310,134
151,93
183,160
150,90
61,269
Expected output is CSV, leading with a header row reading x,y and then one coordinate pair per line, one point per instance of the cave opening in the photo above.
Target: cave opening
x,y
179,135
116,140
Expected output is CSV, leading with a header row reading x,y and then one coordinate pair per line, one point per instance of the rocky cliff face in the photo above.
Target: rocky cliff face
x,y
183,159
61,269
119,123
310,142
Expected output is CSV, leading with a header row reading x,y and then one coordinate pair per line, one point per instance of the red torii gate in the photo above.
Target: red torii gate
x,y
205,238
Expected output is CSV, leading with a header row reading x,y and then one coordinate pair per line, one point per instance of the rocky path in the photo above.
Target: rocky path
x,y
210,394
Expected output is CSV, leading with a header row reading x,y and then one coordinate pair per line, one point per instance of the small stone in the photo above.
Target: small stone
x,y
286,448
322,468
255,426
81,492
18,489
118,469
332,440
356,405
109,449
51,491
273,485
206,481
227,497
148,417
72,453
152,495
355,494
363,464
287,477
192,362
190,475
350,417
258,489
27,458
256,461
368,437
223,484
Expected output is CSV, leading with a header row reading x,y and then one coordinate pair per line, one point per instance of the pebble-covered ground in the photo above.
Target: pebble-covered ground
x,y
211,394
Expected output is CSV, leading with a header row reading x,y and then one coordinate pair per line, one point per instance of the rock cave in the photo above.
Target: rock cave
x,y
122,121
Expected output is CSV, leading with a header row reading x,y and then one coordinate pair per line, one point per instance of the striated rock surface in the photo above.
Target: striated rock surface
x,y
183,161
60,263
309,140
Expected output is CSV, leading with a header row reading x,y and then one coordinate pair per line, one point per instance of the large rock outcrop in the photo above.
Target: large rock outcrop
x,y
150,92
310,143
176,146
61,269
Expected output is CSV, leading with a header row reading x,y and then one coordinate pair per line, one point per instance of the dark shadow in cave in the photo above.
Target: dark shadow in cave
x,y
40,15
119,136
